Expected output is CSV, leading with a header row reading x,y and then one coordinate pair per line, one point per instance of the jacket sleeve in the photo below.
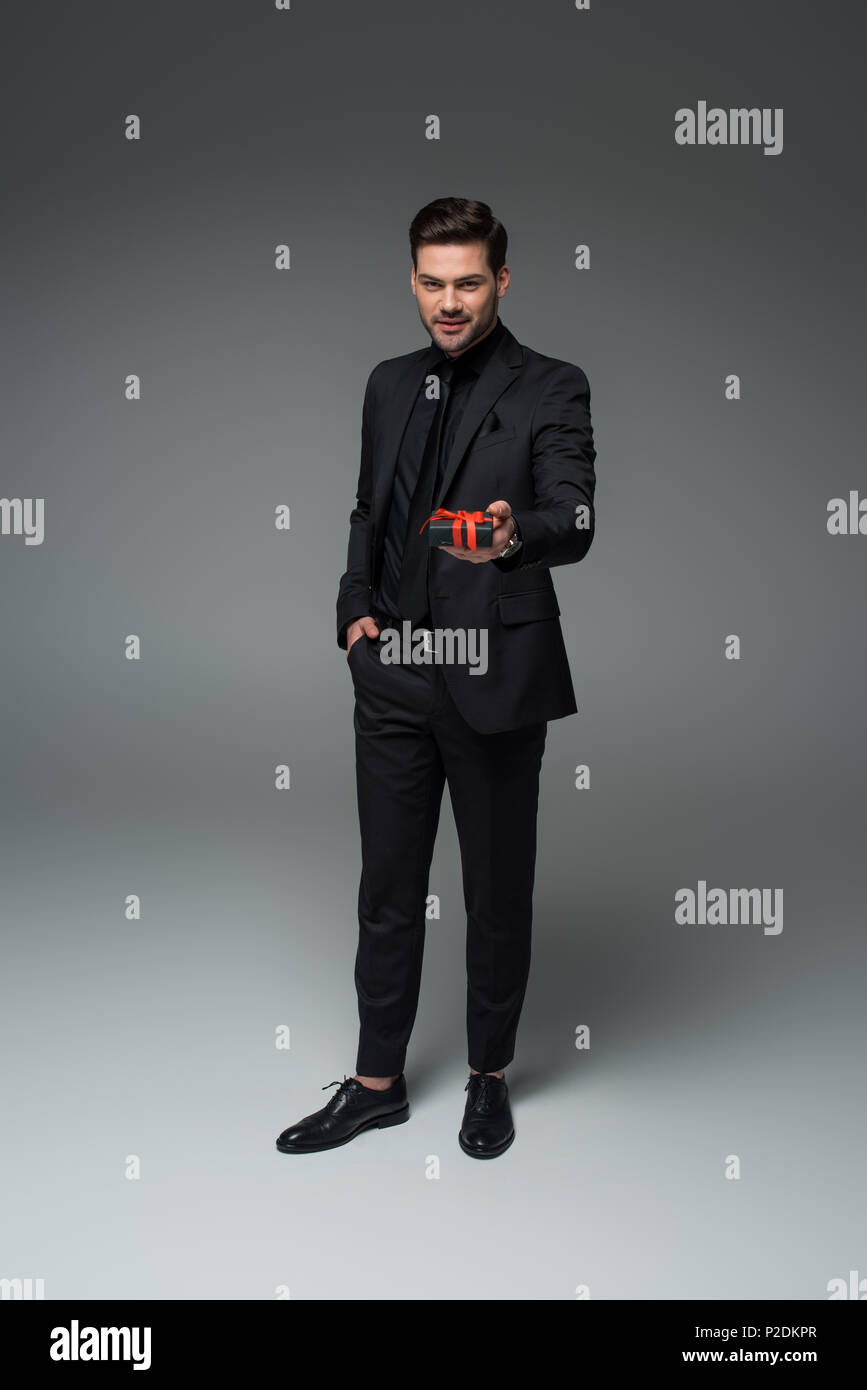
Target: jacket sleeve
x,y
559,529
353,597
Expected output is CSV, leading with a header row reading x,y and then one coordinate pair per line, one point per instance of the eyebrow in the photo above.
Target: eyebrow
x,y
463,279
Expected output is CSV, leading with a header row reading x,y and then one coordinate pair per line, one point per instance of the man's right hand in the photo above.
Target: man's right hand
x,y
361,627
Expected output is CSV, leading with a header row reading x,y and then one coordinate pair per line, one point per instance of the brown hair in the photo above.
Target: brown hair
x,y
462,220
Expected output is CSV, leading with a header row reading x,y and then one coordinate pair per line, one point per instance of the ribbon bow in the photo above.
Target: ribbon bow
x,y
458,517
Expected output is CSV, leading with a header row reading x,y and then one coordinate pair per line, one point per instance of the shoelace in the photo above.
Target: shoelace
x,y
485,1093
340,1084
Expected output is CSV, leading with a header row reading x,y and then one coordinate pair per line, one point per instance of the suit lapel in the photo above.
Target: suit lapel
x,y
498,373
410,381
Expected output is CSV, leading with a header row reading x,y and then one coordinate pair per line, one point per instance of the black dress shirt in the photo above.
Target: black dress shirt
x,y
467,368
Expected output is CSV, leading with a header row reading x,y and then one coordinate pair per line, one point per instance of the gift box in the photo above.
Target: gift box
x,y
468,529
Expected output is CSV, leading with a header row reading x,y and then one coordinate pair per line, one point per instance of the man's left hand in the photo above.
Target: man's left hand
x,y
504,529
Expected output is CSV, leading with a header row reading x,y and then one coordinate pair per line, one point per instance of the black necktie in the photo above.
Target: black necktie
x,y
413,599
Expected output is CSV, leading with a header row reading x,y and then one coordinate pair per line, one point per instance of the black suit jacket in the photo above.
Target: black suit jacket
x,y
540,458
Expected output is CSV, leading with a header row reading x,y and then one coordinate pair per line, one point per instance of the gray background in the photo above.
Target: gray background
x,y
156,1038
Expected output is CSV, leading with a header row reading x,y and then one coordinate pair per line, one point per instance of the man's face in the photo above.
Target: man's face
x,y
457,294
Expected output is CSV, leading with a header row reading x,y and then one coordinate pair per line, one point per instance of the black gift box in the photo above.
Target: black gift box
x,y
440,531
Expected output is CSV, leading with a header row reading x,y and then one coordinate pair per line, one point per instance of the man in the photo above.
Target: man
x,y
475,416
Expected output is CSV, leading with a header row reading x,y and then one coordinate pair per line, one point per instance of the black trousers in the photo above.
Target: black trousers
x,y
410,739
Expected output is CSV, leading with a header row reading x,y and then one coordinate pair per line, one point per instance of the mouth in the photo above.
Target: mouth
x,y
452,325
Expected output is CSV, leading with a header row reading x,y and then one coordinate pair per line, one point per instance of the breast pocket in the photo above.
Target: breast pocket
x,y
484,441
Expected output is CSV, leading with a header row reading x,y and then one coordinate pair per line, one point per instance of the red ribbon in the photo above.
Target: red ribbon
x,y
469,517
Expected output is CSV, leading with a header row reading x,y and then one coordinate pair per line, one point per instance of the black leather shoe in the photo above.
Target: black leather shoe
x,y
351,1109
487,1129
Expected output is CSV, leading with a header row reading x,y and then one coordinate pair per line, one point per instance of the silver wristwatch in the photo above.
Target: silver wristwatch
x,y
515,543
